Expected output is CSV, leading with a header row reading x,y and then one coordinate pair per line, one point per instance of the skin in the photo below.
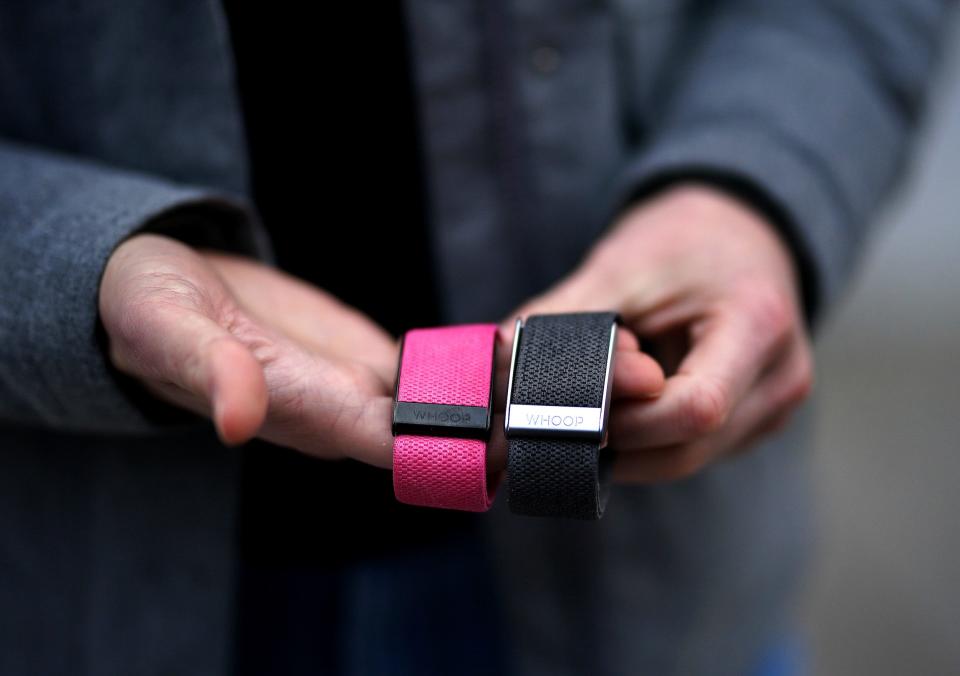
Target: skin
x,y
713,285
264,354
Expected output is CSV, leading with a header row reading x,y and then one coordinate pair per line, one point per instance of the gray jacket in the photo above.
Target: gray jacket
x,y
117,533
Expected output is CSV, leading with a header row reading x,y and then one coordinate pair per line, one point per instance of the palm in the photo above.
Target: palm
x,y
319,402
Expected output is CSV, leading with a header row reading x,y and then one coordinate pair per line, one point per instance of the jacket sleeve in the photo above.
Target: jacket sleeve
x,y
807,107
60,219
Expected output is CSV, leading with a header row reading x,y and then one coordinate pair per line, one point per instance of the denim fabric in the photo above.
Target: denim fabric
x,y
784,658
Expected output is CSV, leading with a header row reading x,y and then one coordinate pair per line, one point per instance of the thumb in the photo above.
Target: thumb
x,y
191,361
157,299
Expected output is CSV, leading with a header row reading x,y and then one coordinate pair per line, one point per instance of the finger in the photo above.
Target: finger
x,y
497,446
740,340
238,391
626,340
727,354
636,375
675,463
770,407
178,349
765,410
371,436
687,408
325,412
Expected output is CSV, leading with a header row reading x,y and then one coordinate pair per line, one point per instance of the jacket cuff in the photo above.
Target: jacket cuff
x,y
64,218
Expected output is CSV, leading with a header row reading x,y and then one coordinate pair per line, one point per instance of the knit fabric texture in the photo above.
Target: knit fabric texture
x,y
450,365
561,361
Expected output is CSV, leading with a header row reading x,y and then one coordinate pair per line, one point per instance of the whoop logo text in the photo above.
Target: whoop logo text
x,y
576,420
454,416
536,420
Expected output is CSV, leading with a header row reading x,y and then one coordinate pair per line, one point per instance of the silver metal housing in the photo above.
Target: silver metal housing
x,y
517,330
559,421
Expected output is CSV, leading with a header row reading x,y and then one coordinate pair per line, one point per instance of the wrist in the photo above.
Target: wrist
x,y
707,204
700,202
688,235
705,192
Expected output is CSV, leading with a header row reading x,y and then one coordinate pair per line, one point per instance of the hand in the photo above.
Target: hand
x,y
711,284
636,376
260,352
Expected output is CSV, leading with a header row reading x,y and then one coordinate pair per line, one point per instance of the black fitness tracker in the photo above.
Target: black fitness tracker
x,y
558,402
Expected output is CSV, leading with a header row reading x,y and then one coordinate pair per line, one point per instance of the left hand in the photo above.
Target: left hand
x,y
259,352
714,285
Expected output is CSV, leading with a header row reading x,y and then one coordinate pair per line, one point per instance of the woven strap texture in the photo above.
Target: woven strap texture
x,y
450,365
561,361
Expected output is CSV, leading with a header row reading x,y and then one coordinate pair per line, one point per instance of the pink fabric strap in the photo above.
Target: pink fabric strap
x,y
451,365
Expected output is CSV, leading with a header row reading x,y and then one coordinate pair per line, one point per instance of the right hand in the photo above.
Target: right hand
x,y
260,352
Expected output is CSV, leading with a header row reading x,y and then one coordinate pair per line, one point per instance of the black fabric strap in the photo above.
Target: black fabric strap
x,y
561,361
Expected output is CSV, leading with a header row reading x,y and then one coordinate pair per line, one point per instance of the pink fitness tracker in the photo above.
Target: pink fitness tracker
x,y
441,417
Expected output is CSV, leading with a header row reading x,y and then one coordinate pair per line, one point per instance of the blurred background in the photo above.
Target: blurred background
x,y
884,597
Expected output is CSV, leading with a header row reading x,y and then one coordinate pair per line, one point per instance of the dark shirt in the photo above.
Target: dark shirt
x,y
305,522
335,225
